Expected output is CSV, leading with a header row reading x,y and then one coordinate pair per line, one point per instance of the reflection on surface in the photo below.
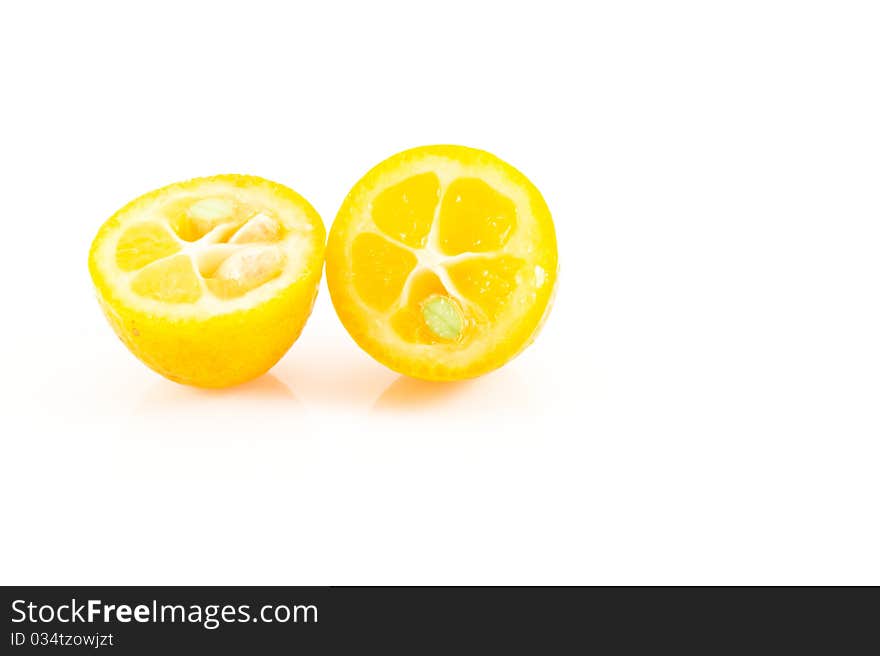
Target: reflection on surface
x,y
330,374
500,391
407,393
166,395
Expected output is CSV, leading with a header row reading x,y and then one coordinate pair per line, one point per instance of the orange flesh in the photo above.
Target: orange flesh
x,y
380,269
471,220
405,211
474,218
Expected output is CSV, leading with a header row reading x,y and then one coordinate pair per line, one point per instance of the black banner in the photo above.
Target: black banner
x,y
276,620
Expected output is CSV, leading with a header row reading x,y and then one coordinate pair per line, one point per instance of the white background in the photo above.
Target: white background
x,y
703,405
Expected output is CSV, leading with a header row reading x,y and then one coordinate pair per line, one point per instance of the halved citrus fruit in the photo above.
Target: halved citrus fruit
x,y
210,281
442,262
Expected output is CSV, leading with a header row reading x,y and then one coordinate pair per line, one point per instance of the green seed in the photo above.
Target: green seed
x,y
442,317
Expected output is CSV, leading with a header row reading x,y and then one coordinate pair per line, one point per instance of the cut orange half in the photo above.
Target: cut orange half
x,y
442,262
210,281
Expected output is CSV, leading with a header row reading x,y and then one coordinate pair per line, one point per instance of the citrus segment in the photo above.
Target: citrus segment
x,y
380,269
210,281
405,211
172,280
474,217
423,284
144,243
487,281
434,259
